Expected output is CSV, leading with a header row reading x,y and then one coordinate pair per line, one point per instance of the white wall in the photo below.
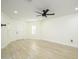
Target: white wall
x,y
60,30
17,29
4,33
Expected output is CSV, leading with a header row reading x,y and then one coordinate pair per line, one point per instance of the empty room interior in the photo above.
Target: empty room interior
x,y
39,29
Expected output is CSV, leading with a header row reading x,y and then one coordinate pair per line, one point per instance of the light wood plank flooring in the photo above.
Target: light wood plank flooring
x,y
37,49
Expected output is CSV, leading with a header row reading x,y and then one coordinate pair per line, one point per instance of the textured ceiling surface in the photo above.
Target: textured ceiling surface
x,y
26,8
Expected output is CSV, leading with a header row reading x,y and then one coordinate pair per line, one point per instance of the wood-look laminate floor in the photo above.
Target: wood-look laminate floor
x,y
37,49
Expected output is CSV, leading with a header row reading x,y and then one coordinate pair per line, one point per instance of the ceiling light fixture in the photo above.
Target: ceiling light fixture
x,y
76,9
15,11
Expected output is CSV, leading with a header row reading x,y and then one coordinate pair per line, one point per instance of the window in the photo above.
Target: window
x,y
33,29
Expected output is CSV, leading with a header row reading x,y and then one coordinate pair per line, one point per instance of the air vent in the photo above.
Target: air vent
x,y
28,0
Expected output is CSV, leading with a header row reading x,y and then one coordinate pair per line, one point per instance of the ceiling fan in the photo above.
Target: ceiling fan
x,y
44,13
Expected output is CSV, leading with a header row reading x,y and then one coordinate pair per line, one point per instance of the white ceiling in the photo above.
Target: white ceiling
x,y
26,8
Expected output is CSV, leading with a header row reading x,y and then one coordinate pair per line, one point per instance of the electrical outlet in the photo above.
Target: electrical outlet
x,y
71,41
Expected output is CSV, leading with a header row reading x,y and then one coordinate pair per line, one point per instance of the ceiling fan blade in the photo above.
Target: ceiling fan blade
x,y
38,12
51,14
46,10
